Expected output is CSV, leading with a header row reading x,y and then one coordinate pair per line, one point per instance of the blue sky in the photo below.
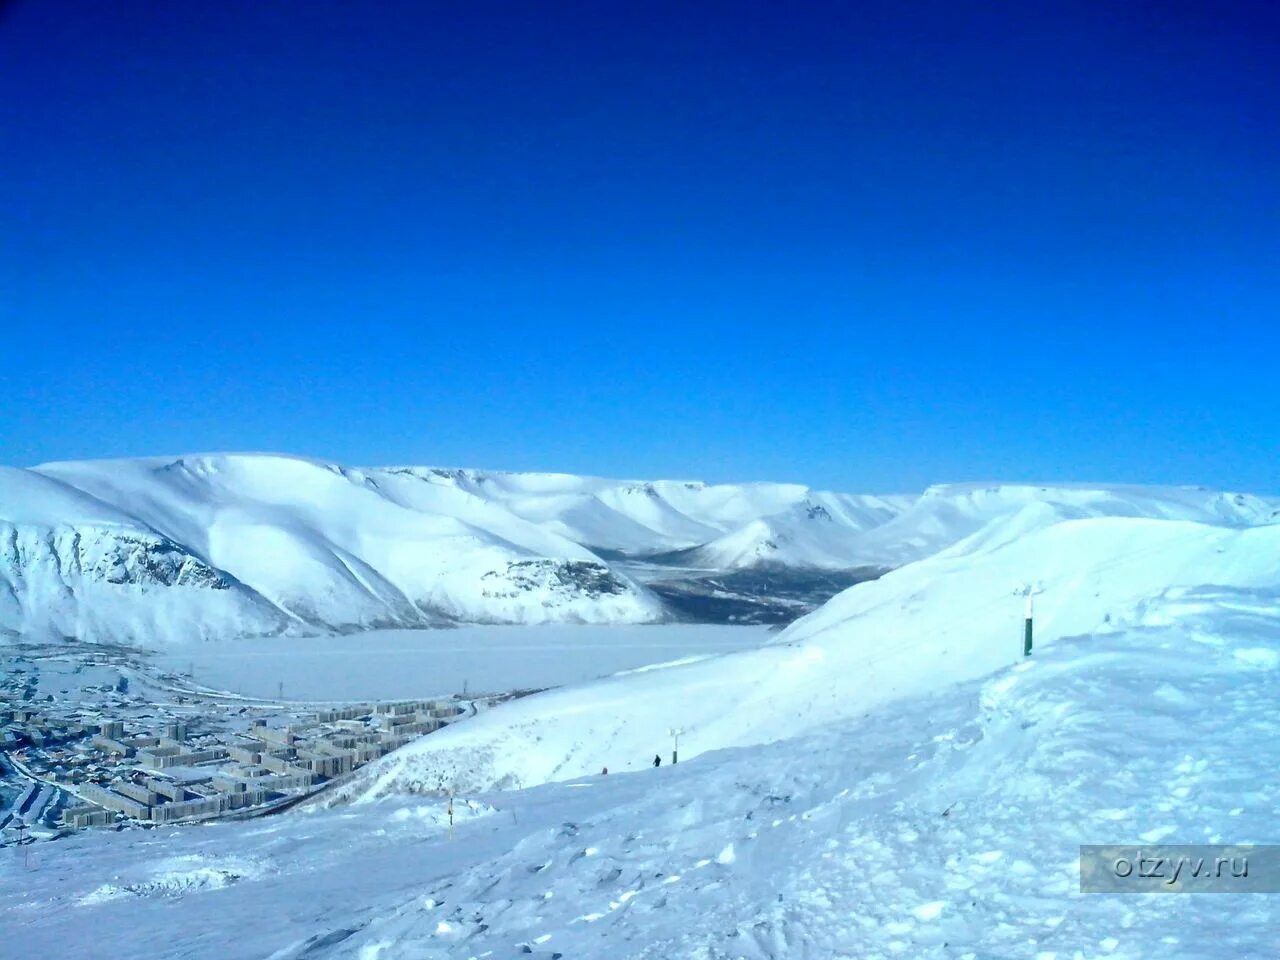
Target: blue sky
x,y
862,246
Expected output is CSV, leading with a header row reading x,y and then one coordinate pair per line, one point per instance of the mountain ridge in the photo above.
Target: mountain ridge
x,y
300,545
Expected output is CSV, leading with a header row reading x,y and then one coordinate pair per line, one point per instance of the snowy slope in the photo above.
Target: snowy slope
x,y
74,565
889,778
941,827
839,531
953,617
823,531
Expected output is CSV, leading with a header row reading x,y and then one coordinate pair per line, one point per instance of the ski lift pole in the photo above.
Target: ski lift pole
x,y
450,814
1026,634
675,742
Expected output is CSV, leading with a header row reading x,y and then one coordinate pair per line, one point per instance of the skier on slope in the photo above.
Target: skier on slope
x,y
657,759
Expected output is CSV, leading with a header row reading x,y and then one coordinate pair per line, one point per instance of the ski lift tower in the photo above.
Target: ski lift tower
x,y
675,742
1029,591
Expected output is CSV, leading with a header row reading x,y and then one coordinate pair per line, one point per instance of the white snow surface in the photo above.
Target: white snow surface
x,y
947,513
944,826
832,532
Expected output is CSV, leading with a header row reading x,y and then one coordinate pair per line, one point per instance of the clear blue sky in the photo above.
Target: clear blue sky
x,y
864,246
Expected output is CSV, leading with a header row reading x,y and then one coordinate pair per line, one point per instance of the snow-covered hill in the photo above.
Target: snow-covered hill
x,y
890,777
823,531
949,618
665,517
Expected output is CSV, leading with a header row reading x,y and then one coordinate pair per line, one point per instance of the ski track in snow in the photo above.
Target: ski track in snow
x,y
943,826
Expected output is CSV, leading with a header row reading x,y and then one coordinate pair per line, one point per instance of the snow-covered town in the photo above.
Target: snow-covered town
x,y
88,739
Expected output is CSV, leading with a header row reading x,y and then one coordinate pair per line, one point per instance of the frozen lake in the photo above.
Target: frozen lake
x,y
394,664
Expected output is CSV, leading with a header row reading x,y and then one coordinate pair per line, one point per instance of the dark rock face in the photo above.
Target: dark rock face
x,y
107,555
581,577
158,561
815,511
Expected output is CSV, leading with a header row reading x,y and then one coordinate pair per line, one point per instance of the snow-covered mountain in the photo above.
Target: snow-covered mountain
x,y
163,549
246,544
838,531
821,531
210,546
665,517
889,776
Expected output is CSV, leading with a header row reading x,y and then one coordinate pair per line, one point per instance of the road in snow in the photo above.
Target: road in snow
x,y
391,664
